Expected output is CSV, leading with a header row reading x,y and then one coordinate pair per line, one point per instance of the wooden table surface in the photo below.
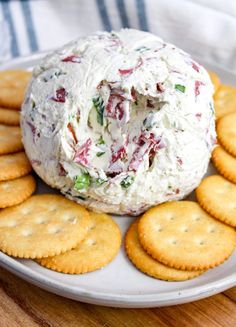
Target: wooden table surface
x,y
22,304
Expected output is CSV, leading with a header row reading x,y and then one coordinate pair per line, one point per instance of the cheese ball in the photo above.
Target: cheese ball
x,y
120,121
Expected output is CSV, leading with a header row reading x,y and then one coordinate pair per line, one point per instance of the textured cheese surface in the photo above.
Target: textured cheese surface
x,y
119,121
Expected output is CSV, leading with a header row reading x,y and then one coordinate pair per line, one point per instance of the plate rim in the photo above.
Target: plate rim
x,y
97,297
121,300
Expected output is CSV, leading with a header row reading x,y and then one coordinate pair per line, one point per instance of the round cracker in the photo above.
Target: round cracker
x,y
10,139
14,166
16,191
224,163
217,196
180,234
214,79
44,225
225,100
13,84
147,264
99,247
9,117
226,132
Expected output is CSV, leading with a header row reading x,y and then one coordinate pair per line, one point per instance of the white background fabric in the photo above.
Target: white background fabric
x,y
205,28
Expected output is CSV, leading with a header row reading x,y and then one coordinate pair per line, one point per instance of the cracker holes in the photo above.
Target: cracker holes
x,y
90,242
69,218
201,242
5,186
54,230
211,230
26,232
196,218
12,223
25,211
40,221
52,208
171,216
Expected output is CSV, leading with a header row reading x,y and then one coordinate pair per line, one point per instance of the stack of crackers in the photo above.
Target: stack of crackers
x,y
15,183
59,233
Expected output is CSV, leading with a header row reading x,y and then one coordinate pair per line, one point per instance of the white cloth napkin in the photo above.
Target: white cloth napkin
x,y
205,28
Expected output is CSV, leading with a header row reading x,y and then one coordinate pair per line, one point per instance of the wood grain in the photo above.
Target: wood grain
x,y
22,304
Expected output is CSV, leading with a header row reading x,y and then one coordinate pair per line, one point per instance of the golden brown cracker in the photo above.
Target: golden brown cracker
x,y
16,191
10,139
214,79
180,234
217,196
99,247
224,163
144,262
9,117
13,85
14,166
225,100
226,132
44,225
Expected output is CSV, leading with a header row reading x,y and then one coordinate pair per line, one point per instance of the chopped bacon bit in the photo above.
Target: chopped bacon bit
x,y
180,161
213,140
35,162
196,88
62,171
115,107
120,154
127,139
160,145
151,156
150,104
195,67
81,155
133,94
131,70
32,127
160,87
60,95
162,47
146,143
198,116
175,71
177,191
72,58
112,174
71,129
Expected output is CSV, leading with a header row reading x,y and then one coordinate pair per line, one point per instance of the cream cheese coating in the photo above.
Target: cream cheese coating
x,y
119,121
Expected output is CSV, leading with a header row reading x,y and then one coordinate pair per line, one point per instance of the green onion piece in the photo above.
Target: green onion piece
x,y
99,154
180,87
81,198
127,181
142,49
211,108
100,181
101,141
100,107
82,182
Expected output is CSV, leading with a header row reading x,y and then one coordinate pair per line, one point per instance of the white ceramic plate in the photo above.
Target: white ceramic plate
x,y
120,284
